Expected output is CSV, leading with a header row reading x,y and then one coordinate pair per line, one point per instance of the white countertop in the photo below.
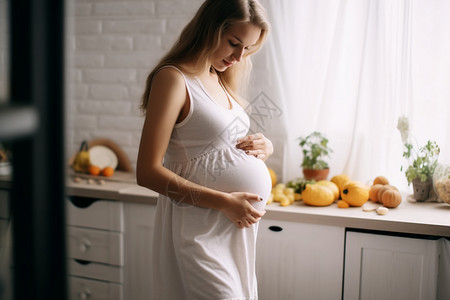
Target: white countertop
x,y
413,218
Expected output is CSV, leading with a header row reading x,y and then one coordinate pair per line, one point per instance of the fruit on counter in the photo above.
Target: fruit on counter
x,y
340,180
107,171
369,206
342,204
383,189
380,180
82,161
282,194
317,195
94,170
391,198
270,200
273,176
383,192
355,193
382,210
299,184
373,192
331,185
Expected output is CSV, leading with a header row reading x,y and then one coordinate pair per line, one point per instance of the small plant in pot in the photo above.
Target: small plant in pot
x,y
422,162
315,149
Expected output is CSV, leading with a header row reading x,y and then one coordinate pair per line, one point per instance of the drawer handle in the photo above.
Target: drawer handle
x,y
85,294
275,228
81,202
82,262
85,245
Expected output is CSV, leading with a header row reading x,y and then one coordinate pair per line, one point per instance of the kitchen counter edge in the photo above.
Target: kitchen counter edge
x,y
410,218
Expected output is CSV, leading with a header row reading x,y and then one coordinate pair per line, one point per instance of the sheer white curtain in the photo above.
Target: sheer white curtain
x,y
349,69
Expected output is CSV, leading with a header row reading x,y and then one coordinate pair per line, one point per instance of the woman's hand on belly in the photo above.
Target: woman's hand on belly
x,y
257,145
237,209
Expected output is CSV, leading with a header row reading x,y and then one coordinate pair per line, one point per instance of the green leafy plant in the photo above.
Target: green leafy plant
x,y
315,148
422,159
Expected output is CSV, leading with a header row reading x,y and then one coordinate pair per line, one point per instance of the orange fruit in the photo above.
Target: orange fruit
x,y
273,176
107,171
342,204
380,180
94,170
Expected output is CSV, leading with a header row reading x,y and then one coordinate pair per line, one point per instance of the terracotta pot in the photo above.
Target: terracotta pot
x,y
421,189
316,174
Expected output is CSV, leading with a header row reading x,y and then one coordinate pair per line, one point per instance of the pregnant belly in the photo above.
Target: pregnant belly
x,y
246,174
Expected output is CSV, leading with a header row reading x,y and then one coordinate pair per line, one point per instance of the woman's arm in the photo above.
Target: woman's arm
x,y
167,99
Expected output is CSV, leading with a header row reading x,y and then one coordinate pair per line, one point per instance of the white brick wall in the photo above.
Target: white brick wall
x,y
111,47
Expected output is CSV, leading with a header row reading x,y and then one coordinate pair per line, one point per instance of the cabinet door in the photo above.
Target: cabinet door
x,y
139,220
5,247
390,267
299,261
4,204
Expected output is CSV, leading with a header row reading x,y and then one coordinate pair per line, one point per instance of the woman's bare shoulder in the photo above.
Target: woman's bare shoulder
x,y
168,81
169,74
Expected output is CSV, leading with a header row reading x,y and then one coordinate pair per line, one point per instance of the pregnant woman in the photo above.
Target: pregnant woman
x,y
195,152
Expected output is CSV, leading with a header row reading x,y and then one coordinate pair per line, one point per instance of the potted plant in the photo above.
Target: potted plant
x,y
422,162
315,148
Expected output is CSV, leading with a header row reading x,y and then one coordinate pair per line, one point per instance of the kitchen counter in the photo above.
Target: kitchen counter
x,y
423,218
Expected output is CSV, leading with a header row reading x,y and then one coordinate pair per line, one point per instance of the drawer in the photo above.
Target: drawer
x,y
81,288
95,271
5,241
95,245
4,204
92,213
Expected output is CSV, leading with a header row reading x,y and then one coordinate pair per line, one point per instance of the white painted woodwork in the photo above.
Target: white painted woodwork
x,y
139,219
3,236
303,261
4,204
95,271
101,214
95,245
390,267
82,288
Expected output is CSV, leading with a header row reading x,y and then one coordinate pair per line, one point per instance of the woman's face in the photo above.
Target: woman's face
x,y
235,43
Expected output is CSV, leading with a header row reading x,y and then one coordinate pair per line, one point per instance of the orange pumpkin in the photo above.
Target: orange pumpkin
x,y
317,195
355,193
273,176
340,180
380,180
383,189
331,185
373,192
342,204
391,198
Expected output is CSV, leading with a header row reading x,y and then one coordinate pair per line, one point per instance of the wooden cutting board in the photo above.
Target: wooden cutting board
x,y
117,176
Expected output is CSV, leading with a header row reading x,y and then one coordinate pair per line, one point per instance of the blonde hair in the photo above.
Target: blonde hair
x,y
201,37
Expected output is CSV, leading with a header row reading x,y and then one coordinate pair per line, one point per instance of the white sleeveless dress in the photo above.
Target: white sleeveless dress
x,y
198,253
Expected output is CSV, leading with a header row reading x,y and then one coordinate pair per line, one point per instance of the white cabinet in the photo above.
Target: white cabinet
x,y
390,267
139,219
95,249
299,260
5,247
